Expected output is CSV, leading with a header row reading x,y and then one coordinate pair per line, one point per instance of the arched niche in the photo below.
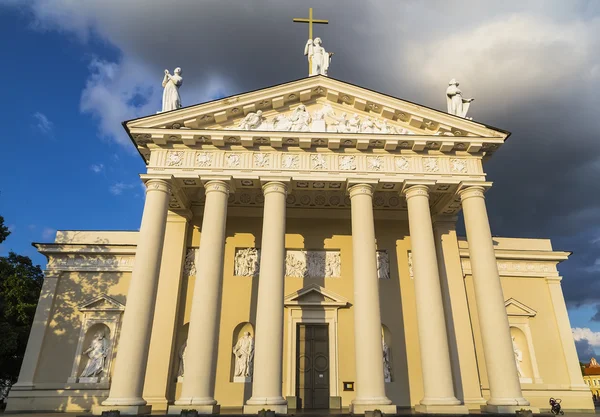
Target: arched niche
x,y
386,346
238,334
101,314
522,355
519,316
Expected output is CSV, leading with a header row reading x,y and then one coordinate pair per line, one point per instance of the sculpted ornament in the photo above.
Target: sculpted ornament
x,y
262,160
347,162
375,163
402,163
387,366
318,161
300,119
312,264
458,165
204,159
189,267
243,351
174,158
171,83
247,262
291,161
457,105
431,165
181,355
383,265
318,57
233,160
252,121
97,352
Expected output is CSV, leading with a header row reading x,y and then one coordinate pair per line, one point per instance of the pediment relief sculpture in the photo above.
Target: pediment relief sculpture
x,y
319,118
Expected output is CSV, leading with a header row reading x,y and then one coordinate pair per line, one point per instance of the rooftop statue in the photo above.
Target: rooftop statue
x,y
318,57
457,105
171,83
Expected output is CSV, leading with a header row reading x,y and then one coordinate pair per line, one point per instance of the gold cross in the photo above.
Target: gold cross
x,y
310,22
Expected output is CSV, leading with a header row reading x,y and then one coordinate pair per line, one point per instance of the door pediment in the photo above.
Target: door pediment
x,y
314,295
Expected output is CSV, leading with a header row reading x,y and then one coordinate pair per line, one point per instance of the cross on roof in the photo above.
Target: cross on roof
x,y
310,22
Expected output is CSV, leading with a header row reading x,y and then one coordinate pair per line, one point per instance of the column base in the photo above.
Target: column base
x,y
254,409
201,409
362,408
442,409
128,410
507,409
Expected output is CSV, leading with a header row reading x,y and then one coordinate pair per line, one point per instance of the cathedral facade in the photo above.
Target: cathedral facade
x,y
298,250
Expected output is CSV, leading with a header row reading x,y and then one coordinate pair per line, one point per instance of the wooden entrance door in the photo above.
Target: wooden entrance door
x,y
312,366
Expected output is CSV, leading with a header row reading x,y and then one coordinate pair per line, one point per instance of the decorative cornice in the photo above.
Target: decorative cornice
x,y
518,268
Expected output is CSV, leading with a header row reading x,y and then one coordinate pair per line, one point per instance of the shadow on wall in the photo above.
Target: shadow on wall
x,y
62,335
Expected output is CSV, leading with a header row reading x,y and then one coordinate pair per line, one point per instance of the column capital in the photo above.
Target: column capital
x,y
156,184
415,190
52,274
361,189
217,186
472,191
275,187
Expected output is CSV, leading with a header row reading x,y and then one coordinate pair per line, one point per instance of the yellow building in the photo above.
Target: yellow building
x,y
292,255
591,376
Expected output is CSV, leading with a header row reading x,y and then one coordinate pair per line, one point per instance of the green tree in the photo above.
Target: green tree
x,y
20,285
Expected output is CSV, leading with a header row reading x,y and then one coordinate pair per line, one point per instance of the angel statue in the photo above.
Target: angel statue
x,y
457,105
96,356
171,83
318,57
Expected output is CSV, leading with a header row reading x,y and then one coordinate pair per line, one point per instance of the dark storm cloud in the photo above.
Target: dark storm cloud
x,y
584,350
532,66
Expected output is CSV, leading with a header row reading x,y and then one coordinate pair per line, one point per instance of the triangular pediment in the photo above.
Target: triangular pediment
x,y
516,308
333,107
315,295
101,303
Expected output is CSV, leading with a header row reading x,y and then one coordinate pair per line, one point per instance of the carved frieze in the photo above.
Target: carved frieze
x,y
298,263
383,265
91,262
518,268
342,163
189,267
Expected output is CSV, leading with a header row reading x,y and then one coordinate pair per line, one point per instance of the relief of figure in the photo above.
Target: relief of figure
x,y
354,124
383,126
171,99
246,262
244,356
387,366
97,353
295,264
367,125
457,105
182,350
340,123
318,57
252,121
518,357
282,123
383,265
332,265
300,119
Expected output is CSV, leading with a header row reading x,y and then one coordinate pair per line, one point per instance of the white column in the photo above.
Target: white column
x,y
268,356
370,384
505,388
130,368
435,356
199,380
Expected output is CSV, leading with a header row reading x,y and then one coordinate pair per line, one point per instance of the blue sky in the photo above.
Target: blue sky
x,y
76,70
57,171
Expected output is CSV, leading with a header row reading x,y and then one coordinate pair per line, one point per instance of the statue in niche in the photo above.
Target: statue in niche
x,y
282,123
354,124
97,352
252,121
518,357
300,119
182,350
387,367
244,356
171,84
318,57
457,105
